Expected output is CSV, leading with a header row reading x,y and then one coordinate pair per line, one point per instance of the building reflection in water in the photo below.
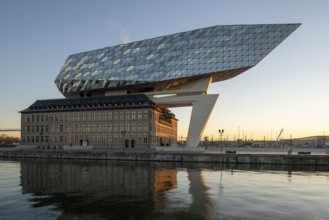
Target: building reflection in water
x,y
108,189
126,190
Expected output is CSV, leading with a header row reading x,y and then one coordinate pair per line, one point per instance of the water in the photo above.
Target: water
x,y
63,189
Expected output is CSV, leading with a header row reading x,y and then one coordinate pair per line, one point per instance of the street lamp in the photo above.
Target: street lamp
x,y
123,138
221,132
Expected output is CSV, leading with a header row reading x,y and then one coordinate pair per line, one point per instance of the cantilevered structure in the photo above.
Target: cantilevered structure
x,y
173,70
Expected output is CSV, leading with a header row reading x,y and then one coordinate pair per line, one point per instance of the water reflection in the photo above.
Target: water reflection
x,y
143,190
97,188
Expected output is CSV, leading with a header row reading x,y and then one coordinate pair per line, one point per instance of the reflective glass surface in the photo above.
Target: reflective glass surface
x,y
221,51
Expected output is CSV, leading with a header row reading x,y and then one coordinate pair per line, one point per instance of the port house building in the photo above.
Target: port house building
x,y
101,87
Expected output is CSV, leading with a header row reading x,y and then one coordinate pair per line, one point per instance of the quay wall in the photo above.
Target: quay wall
x,y
321,160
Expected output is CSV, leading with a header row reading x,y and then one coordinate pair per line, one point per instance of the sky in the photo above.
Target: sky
x,y
287,90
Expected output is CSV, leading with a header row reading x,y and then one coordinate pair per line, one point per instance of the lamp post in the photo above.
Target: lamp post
x,y
123,138
221,132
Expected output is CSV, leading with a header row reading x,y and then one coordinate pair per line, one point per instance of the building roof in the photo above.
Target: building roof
x,y
223,52
78,104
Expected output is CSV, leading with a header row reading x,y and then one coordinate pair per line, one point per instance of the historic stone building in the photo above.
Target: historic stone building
x,y
109,121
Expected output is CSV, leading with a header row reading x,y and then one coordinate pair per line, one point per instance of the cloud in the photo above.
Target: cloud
x,y
117,27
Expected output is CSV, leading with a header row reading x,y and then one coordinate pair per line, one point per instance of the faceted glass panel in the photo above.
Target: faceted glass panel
x,y
220,51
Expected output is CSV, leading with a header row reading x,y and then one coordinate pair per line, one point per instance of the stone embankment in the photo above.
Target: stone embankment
x,y
317,160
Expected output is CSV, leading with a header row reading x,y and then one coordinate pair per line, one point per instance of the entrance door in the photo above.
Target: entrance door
x,y
126,143
132,143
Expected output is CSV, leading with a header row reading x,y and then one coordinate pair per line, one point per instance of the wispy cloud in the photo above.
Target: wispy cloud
x,y
117,27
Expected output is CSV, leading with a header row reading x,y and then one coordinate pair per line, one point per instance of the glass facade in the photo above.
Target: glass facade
x,y
220,51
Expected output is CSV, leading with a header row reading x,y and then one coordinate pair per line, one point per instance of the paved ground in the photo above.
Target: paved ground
x,y
269,150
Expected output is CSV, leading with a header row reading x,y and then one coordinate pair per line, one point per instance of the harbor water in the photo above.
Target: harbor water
x,y
92,189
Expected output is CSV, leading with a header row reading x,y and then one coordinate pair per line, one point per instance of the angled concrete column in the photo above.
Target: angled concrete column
x,y
192,94
201,110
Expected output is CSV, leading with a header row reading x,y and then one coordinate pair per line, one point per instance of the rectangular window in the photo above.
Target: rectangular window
x,y
146,126
133,116
61,128
28,129
109,138
87,116
28,119
37,128
146,114
139,115
109,116
37,139
32,139
33,118
28,139
139,126
37,118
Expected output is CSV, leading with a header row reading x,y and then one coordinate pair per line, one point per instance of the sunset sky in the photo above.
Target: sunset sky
x,y
288,89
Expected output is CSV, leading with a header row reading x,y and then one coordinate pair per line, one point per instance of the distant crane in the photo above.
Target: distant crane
x,y
277,139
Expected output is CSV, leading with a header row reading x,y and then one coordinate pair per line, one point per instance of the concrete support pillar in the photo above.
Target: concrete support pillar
x,y
201,111
192,94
